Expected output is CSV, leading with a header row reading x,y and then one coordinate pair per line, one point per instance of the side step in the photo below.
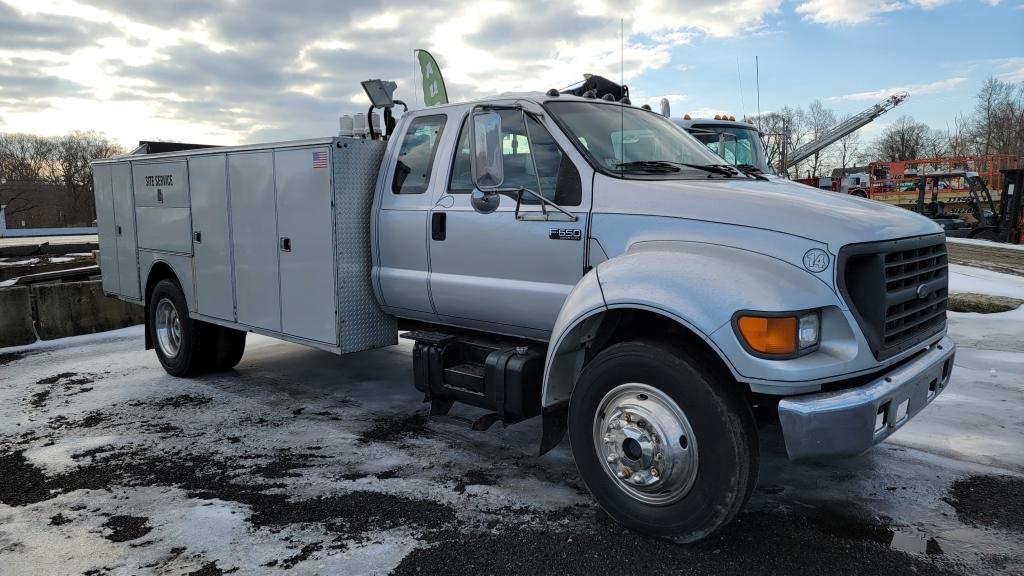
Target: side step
x,y
500,375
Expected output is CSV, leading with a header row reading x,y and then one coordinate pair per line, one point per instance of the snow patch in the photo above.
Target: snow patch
x,y
985,243
71,341
980,281
28,262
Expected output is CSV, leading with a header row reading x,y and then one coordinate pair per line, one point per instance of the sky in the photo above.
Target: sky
x,y
246,71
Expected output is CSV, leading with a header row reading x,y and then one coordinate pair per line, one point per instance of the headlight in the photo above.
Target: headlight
x,y
809,332
779,335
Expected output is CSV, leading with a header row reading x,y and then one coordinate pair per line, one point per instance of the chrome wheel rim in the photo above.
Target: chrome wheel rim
x,y
168,328
646,443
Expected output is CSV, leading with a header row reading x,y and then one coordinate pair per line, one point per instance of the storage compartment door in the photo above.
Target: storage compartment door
x,y
254,239
306,242
124,230
106,228
211,242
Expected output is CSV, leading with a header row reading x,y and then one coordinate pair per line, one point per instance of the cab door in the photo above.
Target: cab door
x,y
494,271
402,223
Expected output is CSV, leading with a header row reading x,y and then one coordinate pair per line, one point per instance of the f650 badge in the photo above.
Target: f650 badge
x,y
565,234
816,260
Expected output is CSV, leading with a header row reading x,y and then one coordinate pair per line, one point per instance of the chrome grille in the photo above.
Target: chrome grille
x,y
897,290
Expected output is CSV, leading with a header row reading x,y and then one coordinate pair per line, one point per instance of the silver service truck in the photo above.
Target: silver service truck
x,y
575,259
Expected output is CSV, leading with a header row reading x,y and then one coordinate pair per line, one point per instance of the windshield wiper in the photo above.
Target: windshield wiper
x,y
650,166
723,169
751,170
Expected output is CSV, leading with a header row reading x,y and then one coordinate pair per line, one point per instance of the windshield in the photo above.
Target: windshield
x,y
737,145
629,141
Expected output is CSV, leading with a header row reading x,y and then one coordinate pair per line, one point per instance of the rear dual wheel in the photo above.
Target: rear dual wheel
x,y
663,441
188,347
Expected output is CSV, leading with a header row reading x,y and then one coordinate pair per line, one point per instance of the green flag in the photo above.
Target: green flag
x,y
434,92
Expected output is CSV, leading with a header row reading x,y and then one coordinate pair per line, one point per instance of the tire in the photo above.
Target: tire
x,y
227,349
177,339
634,391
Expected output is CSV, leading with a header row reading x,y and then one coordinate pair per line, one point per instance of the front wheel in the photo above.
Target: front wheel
x,y
665,443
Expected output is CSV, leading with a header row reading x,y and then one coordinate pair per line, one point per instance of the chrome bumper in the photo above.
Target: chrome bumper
x,y
847,422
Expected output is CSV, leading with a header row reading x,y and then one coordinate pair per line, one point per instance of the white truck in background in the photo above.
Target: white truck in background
x,y
572,258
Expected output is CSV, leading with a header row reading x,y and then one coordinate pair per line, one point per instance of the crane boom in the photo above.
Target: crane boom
x,y
844,128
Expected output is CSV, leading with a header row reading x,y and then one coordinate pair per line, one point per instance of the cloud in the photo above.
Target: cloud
x,y
852,12
37,32
845,11
1008,69
913,89
253,70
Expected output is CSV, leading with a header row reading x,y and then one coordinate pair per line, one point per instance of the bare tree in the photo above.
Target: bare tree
x,y
998,122
783,131
72,171
848,148
904,139
819,120
29,162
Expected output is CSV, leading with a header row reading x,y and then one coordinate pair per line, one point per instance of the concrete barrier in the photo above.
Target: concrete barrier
x,y
16,317
8,272
74,308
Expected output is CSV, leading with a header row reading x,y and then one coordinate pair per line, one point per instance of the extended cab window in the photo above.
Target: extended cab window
x,y
416,156
532,160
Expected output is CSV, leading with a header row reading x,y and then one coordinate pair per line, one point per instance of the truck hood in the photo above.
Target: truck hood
x,y
778,205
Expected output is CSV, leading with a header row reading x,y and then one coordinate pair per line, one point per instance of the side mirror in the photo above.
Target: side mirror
x,y
485,150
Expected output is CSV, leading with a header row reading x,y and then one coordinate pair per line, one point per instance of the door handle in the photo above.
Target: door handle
x,y
286,244
197,237
118,230
439,225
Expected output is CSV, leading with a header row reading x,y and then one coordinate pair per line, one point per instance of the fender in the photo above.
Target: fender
x,y
700,286
180,264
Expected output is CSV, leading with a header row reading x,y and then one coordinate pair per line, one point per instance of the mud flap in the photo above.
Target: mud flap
x,y
553,427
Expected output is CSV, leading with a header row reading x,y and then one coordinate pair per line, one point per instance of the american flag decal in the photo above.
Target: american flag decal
x,y
319,159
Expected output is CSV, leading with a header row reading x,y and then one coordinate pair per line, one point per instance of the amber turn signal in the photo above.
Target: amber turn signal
x,y
769,335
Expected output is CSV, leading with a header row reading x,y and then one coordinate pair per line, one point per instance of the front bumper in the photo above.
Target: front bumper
x,y
848,422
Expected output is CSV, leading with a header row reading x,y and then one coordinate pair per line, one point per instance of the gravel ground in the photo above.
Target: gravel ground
x,y
1005,260
305,462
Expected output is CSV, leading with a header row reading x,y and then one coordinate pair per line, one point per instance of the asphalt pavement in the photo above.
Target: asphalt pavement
x,y
310,463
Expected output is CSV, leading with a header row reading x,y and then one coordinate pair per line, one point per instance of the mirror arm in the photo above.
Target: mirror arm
x,y
544,203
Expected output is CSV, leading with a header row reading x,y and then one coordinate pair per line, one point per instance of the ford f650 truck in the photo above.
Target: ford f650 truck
x,y
574,259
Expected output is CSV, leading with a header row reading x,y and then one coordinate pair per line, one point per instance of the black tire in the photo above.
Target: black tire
x,y
188,359
723,428
227,349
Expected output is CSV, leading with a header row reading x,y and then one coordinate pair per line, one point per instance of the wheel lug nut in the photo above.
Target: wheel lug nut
x,y
654,472
659,456
642,424
608,439
612,458
625,472
628,418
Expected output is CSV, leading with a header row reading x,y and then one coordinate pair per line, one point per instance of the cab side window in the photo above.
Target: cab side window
x,y
416,156
531,157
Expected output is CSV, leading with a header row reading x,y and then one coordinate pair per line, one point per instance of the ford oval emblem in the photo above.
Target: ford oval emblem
x,y
816,260
923,291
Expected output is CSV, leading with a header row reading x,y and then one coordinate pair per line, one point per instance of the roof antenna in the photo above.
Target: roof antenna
x,y
757,69
739,80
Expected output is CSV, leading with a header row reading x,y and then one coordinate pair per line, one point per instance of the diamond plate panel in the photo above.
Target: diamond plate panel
x,y
361,324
